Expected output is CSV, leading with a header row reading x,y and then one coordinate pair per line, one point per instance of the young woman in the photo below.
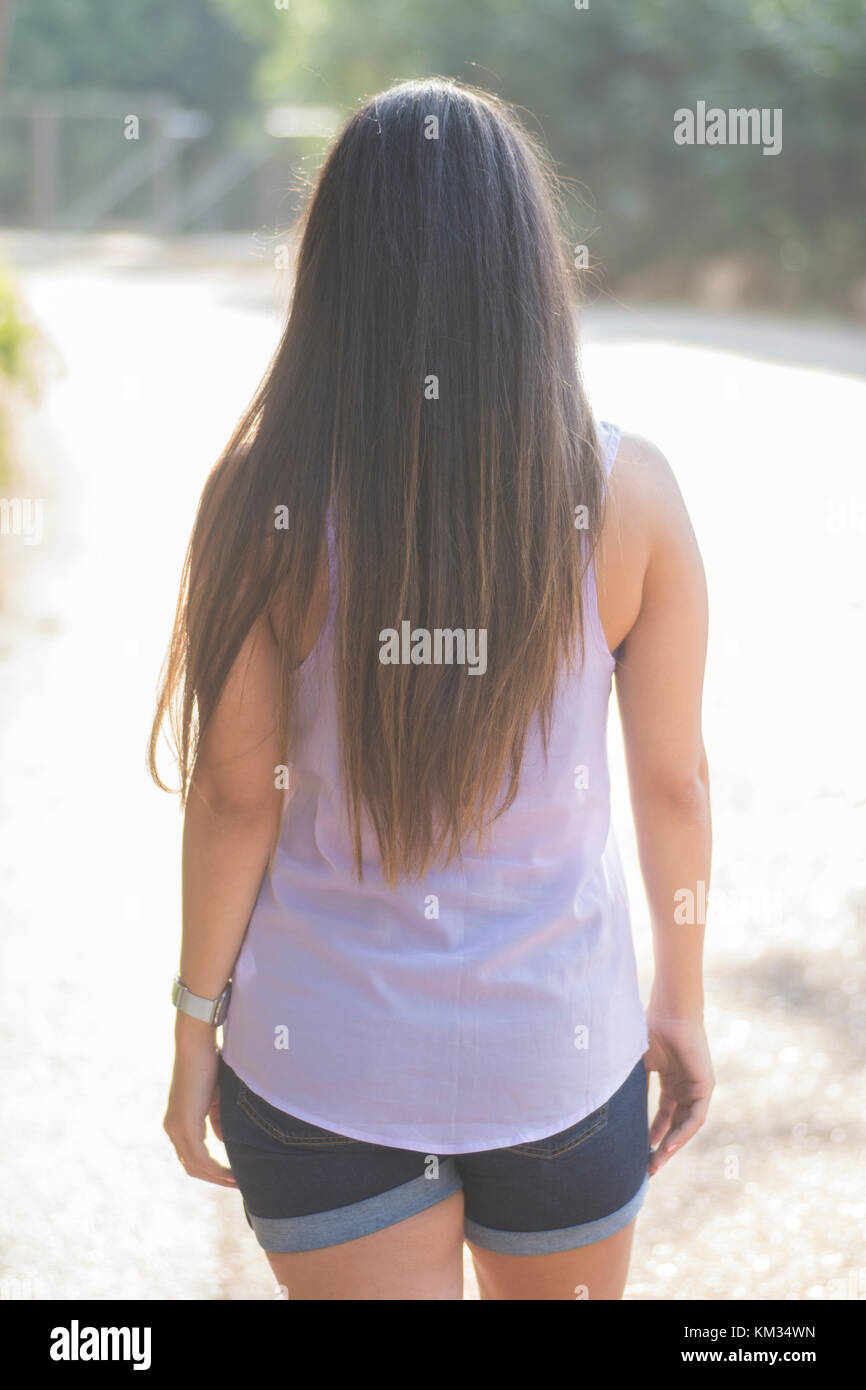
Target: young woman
x,y
412,576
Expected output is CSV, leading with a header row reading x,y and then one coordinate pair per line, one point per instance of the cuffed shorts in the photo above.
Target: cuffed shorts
x,y
305,1188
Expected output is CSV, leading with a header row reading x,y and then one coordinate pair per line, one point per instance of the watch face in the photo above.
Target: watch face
x,y
222,1007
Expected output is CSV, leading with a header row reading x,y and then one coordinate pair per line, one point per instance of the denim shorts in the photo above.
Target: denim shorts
x,y
305,1188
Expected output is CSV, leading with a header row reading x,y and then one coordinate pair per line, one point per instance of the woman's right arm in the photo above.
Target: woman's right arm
x,y
659,681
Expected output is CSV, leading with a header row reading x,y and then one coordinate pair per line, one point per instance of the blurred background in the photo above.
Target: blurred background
x,y
153,160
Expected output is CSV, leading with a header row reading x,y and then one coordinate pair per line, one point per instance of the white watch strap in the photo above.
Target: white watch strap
x,y
210,1011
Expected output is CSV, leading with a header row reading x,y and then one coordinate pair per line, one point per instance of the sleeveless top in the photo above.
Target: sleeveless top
x,y
473,1009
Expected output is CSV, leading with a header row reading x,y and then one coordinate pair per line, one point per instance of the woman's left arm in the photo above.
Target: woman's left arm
x,y
231,818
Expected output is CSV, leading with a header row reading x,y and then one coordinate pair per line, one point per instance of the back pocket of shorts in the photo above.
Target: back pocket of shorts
x,y
566,1139
284,1128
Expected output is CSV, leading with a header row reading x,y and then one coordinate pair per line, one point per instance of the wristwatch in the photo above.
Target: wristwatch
x,y
212,1011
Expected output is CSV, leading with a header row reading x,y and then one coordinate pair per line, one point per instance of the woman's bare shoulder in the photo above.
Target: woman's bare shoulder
x,y
641,476
644,507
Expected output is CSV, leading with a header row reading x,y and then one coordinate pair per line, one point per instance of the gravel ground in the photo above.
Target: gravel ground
x,y
153,359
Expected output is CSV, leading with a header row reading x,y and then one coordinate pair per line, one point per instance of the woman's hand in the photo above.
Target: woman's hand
x,y
679,1052
194,1096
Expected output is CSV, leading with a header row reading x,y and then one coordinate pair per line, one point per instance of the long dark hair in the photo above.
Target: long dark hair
x,y
427,387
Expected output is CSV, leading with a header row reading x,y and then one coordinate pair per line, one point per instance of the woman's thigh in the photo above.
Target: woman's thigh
x,y
419,1258
592,1272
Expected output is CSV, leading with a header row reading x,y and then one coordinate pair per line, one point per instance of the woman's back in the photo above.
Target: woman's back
x,y
489,1003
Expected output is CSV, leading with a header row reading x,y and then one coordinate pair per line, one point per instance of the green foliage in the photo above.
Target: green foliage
x,y
185,48
17,340
17,337
602,85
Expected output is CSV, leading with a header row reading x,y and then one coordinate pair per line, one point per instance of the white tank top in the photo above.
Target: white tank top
x,y
474,1009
